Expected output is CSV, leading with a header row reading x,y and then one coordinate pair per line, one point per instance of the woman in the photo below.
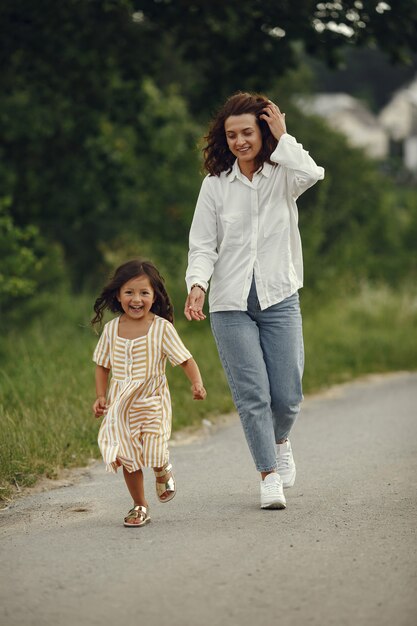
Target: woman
x,y
245,238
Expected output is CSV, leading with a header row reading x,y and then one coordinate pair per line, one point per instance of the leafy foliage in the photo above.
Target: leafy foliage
x,y
87,139
217,47
102,104
28,262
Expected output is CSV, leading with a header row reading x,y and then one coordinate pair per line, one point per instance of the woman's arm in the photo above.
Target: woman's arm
x,y
192,372
304,172
202,251
193,309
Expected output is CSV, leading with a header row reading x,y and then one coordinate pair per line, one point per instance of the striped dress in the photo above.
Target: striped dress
x,y
137,426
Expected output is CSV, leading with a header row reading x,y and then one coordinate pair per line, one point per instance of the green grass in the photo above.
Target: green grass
x,y
47,388
372,331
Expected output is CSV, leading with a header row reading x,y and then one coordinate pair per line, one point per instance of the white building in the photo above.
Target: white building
x,y
399,118
349,116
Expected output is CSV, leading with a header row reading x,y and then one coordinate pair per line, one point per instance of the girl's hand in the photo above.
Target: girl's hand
x,y
100,406
199,393
193,309
275,120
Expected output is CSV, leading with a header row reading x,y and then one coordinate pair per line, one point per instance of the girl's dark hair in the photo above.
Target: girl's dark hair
x,y
217,156
138,267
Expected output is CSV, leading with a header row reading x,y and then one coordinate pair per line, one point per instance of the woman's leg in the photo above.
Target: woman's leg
x,y
240,351
281,337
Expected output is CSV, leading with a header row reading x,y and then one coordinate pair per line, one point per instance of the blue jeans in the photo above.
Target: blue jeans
x,y
262,353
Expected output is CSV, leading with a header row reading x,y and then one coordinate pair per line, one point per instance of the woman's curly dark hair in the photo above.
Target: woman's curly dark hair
x,y
217,156
137,267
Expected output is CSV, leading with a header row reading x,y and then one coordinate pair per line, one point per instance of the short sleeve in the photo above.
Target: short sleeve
x,y
101,354
173,347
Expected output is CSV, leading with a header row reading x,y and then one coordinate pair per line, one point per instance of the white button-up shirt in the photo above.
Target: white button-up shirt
x,y
244,228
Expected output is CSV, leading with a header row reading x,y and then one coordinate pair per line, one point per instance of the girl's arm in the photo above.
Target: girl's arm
x,y
192,372
102,377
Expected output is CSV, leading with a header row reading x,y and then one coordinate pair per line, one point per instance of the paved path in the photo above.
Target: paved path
x,y
342,553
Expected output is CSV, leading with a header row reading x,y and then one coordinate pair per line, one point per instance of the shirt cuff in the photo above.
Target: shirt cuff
x,y
276,156
194,280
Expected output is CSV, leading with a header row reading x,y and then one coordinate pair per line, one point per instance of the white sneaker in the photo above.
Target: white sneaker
x,y
272,495
285,464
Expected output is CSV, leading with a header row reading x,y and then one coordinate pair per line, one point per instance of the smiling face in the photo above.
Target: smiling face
x,y
243,137
136,297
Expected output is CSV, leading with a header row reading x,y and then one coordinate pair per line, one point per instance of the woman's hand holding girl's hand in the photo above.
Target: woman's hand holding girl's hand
x,y
193,309
275,120
199,393
99,406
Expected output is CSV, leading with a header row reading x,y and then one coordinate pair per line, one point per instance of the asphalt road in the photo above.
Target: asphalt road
x,y
342,553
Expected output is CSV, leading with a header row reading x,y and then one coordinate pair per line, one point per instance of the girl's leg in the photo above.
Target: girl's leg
x,y
281,336
165,479
135,484
240,351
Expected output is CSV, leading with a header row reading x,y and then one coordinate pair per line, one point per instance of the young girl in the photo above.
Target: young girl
x,y
134,347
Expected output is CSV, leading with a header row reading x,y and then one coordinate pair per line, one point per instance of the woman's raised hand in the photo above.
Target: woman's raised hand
x,y
193,309
275,120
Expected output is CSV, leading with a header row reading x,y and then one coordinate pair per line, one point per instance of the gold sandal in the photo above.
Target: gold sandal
x,y
168,486
137,512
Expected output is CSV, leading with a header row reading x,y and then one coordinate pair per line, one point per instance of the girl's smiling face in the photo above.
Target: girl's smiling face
x,y
136,297
243,136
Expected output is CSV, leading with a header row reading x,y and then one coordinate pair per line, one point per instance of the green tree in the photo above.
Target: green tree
x,y
219,47
29,264
85,137
365,73
97,137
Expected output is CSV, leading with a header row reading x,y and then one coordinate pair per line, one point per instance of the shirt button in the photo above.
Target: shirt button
x,y
112,421
115,443
129,360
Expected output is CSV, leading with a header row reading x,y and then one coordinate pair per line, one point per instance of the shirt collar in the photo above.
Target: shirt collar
x,y
236,173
